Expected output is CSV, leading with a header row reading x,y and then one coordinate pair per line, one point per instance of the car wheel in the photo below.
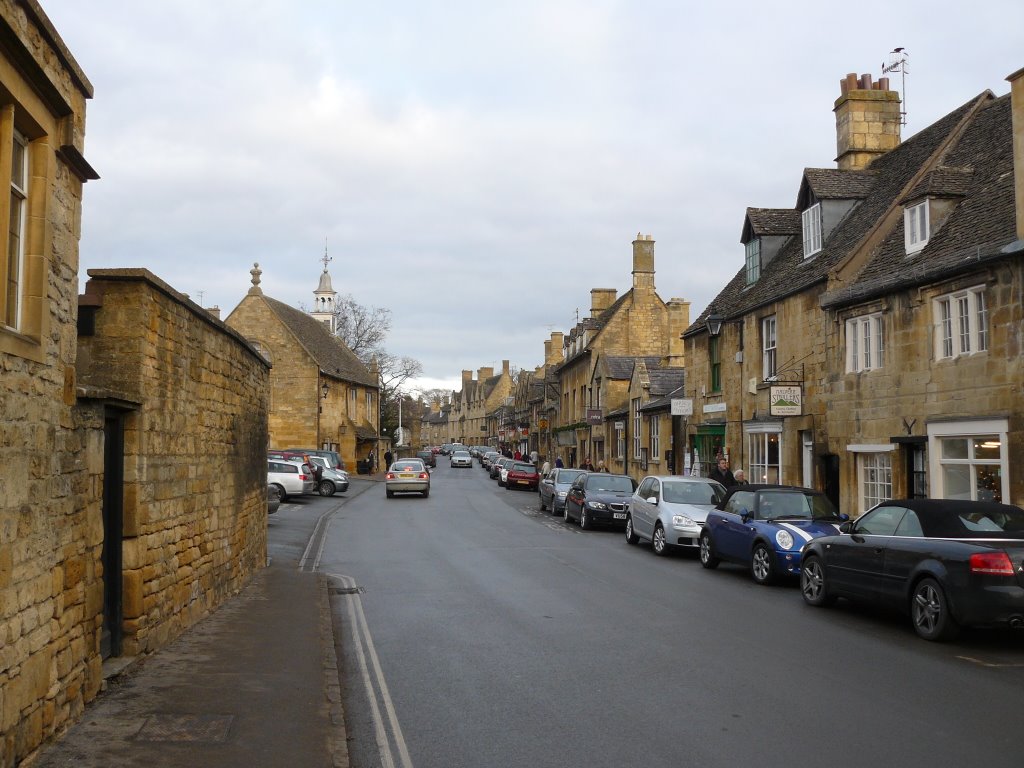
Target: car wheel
x,y
565,513
707,551
426,493
631,537
280,492
658,543
326,488
391,494
930,612
584,519
762,566
812,583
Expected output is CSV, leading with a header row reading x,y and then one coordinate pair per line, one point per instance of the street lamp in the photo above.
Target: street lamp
x,y
713,322
325,389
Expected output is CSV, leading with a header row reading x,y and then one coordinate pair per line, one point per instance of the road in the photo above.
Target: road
x,y
475,630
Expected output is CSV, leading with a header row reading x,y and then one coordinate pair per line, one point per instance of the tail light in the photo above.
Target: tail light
x,y
424,475
389,476
303,478
993,563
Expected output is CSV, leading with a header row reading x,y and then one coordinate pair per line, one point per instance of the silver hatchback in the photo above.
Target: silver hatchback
x,y
669,511
292,478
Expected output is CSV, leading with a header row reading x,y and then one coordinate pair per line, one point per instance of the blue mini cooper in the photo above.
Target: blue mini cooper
x,y
766,527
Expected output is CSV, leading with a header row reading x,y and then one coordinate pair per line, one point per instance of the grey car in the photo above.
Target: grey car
x,y
331,480
292,478
553,487
669,511
407,476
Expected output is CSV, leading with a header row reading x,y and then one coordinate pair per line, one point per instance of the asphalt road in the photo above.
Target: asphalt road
x,y
475,630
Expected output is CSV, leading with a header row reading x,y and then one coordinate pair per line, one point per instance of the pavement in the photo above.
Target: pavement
x,y
255,683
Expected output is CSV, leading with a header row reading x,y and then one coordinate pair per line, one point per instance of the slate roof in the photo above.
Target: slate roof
x,y
594,323
770,222
835,184
329,352
665,380
942,182
789,272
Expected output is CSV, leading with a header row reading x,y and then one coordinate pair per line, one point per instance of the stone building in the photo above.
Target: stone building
x,y
468,421
322,395
869,346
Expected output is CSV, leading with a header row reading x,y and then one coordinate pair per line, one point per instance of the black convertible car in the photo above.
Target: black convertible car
x,y
946,563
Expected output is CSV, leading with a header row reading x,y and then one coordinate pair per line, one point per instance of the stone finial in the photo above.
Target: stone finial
x,y
255,272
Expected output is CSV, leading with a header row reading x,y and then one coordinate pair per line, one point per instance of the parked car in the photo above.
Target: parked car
x,y
428,457
331,480
766,527
522,475
945,563
554,487
487,458
446,449
461,458
407,476
273,499
496,466
669,511
503,471
292,477
333,458
599,498
296,455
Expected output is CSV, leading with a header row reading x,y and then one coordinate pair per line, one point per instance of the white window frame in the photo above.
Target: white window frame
x,y
942,468
769,348
960,323
15,250
811,220
865,343
654,436
916,227
762,466
620,443
752,253
874,474
637,422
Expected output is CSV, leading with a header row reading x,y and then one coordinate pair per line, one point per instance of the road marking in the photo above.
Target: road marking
x,y
989,664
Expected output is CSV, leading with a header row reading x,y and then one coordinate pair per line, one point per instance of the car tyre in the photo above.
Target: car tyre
x,y
812,583
584,520
707,552
929,610
426,493
280,492
631,537
326,488
762,564
391,494
565,513
658,542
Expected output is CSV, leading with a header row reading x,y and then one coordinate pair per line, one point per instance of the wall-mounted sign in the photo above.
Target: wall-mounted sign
x,y
785,401
595,417
714,408
681,406
620,425
543,423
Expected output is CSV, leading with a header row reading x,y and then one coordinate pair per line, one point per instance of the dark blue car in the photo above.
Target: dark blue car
x,y
766,527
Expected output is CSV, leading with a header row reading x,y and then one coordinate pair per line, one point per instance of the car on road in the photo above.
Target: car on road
x,y
669,511
599,498
407,476
766,527
487,458
333,458
428,457
292,477
496,465
522,474
331,480
461,458
945,563
553,488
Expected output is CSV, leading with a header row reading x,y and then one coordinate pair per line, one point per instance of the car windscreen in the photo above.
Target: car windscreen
x,y
776,504
692,493
568,476
407,466
598,481
520,467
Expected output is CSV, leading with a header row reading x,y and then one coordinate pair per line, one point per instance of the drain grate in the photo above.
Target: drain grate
x,y
186,728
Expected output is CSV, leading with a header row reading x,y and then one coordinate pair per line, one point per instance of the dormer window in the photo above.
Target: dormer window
x,y
812,230
753,253
915,227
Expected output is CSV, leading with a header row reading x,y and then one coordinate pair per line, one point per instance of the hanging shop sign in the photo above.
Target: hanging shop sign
x,y
786,401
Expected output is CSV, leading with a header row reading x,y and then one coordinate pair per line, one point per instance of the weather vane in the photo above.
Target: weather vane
x,y
326,259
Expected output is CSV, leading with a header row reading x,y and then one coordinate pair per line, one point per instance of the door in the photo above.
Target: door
x,y
113,519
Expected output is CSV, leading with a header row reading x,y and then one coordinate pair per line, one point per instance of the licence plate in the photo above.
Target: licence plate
x,y
620,515
406,474
523,482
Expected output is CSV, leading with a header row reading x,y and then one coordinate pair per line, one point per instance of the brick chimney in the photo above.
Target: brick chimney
x,y
467,376
553,349
678,321
867,121
505,367
601,299
643,261
1017,106
484,373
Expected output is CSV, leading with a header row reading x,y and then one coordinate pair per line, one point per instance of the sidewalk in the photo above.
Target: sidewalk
x,y
255,683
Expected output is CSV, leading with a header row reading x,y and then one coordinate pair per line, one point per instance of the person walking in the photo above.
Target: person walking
x,y
722,473
587,464
371,466
387,459
601,467
740,477
558,462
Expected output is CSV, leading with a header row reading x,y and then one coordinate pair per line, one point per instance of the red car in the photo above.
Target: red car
x,y
522,475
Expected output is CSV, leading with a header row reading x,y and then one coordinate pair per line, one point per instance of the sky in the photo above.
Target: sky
x,y
477,167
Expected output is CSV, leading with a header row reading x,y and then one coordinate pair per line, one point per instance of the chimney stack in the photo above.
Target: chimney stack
x,y
678,321
504,367
484,373
553,349
1017,108
643,261
467,376
868,120
601,299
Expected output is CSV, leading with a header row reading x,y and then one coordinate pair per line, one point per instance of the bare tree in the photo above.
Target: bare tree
x,y
363,329
393,373
436,395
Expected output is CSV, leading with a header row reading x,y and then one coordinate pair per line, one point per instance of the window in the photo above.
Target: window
x,y
654,428
961,324
753,252
864,344
969,460
915,227
620,442
763,450
874,478
768,345
715,363
812,230
14,283
636,427
369,404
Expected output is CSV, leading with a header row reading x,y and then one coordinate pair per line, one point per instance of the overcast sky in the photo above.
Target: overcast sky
x,y
475,166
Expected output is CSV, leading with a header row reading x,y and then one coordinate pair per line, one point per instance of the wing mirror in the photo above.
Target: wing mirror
x,y
652,500
745,514
846,527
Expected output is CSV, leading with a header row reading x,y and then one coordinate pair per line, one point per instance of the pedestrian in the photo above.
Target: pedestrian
x,y
558,462
517,455
545,468
601,467
740,477
387,459
534,457
587,464
371,467
722,473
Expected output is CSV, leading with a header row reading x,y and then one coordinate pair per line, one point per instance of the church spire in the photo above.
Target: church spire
x,y
324,295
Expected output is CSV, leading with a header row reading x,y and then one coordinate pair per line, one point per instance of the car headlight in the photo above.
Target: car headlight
x,y
596,505
561,494
682,521
784,539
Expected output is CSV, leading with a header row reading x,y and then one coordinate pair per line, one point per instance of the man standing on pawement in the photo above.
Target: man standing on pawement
x,y
722,473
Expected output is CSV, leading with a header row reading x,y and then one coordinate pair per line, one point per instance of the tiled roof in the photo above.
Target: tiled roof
x,y
836,184
768,222
365,431
942,182
329,352
790,273
665,380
